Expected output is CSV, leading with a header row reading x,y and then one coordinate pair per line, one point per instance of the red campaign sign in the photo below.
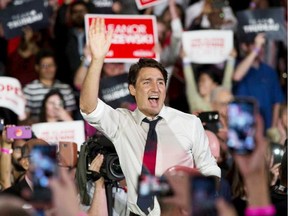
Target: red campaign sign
x,y
134,36
141,4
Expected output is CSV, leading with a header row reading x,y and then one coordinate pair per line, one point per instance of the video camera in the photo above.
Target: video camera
x,y
110,169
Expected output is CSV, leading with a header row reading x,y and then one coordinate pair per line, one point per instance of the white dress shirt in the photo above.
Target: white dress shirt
x,y
181,141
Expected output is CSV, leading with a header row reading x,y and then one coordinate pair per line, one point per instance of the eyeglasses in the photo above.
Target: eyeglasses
x,y
44,66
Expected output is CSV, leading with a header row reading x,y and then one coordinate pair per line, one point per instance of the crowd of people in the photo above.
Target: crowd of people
x,y
155,124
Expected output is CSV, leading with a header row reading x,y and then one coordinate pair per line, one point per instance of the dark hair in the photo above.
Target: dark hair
x,y
42,116
76,3
44,53
212,71
144,63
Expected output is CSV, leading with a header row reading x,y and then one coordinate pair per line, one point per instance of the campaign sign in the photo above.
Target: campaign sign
x,y
11,96
134,36
270,21
207,46
142,4
114,90
14,18
55,132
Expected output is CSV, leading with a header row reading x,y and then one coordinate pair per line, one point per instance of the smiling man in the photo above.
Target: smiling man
x,y
181,139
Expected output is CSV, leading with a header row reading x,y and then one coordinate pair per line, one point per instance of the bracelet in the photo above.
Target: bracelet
x,y
256,50
6,151
269,210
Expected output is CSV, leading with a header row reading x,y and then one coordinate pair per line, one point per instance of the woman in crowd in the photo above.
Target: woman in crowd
x,y
53,108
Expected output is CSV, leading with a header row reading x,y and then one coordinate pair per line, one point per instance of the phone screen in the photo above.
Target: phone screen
x,y
203,190
241,126
153,185
44,166
1,124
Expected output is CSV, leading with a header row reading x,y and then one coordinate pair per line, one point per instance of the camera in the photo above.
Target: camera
x,y
110,169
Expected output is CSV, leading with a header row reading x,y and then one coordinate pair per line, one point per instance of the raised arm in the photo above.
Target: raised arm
x,y
99,43
5,160
229,70
242,69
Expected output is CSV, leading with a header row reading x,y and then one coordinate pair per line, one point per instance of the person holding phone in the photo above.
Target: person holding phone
x,y
181,136
53,108
24,187
12,171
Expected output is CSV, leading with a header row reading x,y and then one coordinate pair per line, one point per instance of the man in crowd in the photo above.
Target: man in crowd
x,y
255,78
37,89
180,136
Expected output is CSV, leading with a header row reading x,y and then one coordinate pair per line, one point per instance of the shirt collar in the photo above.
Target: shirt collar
x,y
139,116
29,182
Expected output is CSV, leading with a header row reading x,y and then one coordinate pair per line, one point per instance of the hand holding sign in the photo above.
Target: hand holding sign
x,y
99,40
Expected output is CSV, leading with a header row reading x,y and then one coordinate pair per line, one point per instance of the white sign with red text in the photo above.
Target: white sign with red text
x,y
142,4
134,36
54,132
11,96
207,46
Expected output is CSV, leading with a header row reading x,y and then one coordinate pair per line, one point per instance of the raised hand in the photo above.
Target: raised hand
x,y
99,41
259,40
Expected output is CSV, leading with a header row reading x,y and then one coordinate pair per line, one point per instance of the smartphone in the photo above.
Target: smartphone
x,y
277,151
209,117
1,124
203,195
67,156
241,125
153,185
19,132
43,166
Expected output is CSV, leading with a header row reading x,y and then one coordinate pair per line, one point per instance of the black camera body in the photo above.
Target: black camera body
x,y
110,169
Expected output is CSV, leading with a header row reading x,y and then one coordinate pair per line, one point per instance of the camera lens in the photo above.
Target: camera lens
x,y
115,168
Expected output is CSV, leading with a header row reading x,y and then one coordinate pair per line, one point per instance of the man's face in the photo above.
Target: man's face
x,y
47,68
149,91
77,15
17,154
221,103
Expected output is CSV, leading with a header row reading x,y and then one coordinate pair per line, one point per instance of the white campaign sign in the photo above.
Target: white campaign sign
x,y
54,132
207,46
11,96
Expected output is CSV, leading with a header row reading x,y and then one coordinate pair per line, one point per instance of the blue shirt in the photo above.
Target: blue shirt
x,y
263,84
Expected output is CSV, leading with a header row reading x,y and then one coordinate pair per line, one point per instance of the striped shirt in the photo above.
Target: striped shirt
x,y
35,93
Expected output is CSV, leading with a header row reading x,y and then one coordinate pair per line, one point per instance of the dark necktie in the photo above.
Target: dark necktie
x,y
148,165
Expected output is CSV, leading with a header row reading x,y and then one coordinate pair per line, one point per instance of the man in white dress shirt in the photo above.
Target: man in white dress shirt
x,y
181,137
